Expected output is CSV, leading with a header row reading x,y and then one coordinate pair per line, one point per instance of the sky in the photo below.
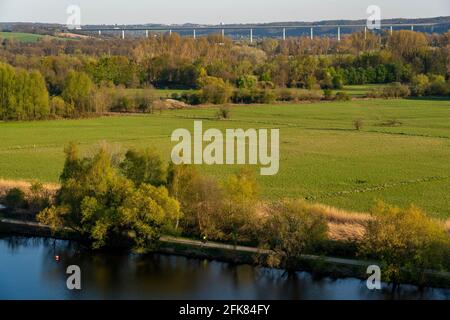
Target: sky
x,y
214,11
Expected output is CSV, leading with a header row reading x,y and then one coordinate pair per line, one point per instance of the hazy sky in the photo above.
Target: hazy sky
x,y
214,11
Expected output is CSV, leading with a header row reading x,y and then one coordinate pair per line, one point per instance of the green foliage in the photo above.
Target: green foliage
x,y
224,113
247,82
118,70
342,96
291,231
23,95
239,207
395,90
39,197
15,198
77,90
144,166
406,242
358,124
96,201
419,85
215,90
438,86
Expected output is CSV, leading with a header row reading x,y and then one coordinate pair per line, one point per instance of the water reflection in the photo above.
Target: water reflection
x,y
28,270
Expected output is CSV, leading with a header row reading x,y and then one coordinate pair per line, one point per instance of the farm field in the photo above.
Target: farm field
x,y
401,155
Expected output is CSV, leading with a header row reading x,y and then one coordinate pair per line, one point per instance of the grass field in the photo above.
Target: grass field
x,y
19,36
402,154
25,37
355,91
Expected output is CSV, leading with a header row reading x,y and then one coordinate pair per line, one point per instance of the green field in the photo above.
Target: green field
x,y
402,155
19,36
26,37
355,91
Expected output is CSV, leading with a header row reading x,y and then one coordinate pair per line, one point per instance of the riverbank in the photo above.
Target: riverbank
x,y
323,266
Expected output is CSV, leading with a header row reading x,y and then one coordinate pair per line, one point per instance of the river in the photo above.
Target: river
x,y
29,270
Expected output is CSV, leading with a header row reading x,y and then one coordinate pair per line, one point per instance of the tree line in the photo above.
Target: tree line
x,y
78,73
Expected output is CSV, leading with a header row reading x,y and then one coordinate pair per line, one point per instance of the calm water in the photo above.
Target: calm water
x,y
28,270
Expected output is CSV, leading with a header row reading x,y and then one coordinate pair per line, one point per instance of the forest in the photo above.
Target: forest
x,y
67,79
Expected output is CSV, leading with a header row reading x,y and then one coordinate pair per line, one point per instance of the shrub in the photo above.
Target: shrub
x,y
15,199
438,86
292,231
101,205
246,82
144,166
358,124
224,112
39,197
394,90
254,96
406,242
419,85
328,94
58,107
200,199
309,95
342,96
286,95
215,90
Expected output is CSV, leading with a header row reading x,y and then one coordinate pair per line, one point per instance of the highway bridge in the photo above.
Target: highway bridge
x,y
276,30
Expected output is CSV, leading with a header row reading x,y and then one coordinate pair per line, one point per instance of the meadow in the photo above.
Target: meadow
x,y
26,37
401,155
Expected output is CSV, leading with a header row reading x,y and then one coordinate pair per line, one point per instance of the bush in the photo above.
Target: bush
x,y
342,96
328,94
15,199
394,90
58,107
406,242
419,85
224,112
102,205
438,86
286,95
39,197
358,124
308,95
291,231
215,90
254,96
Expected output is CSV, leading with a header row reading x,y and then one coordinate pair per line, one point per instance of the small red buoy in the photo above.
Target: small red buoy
x,y
57,258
